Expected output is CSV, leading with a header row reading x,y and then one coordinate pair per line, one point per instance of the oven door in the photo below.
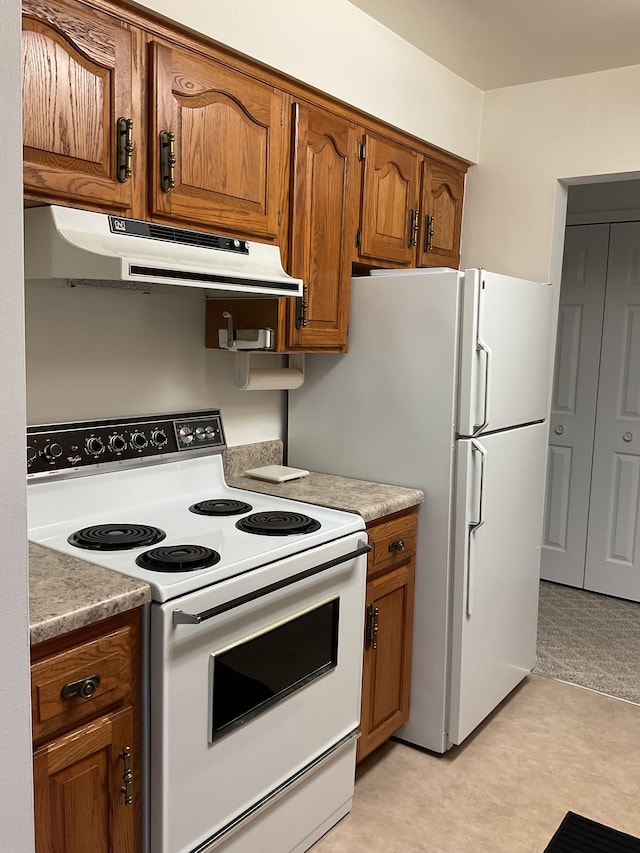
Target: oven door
x,y
252,681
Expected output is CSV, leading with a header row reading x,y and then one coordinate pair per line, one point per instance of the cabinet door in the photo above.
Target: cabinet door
x,y
387,657
227,145
388,221
323,216
81,791
77,71
441,215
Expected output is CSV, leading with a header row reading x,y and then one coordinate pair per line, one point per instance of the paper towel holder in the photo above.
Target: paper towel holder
x,y
249,378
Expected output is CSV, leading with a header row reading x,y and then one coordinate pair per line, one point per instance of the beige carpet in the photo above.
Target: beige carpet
x,y
589,639
549,748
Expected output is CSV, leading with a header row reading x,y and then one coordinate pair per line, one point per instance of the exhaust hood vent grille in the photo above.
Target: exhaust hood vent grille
x,y
155,273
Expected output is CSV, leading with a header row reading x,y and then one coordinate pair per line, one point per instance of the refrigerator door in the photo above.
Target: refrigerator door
x,y
499,502
505,359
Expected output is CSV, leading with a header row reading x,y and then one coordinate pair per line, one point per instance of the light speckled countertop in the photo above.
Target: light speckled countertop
x,y
370,500
66,593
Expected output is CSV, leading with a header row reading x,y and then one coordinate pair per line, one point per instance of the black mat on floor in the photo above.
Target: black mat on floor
x,y
577,834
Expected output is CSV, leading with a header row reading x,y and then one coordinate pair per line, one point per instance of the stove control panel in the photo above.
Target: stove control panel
x,y
63,447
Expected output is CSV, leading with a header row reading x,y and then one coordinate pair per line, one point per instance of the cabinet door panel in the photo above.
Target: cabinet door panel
x,y
228,144
324,211
79,804
390,193
441,215
387,668
77,81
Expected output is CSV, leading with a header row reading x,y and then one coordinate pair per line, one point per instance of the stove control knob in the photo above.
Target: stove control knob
x,y
159,438
201,433
53,451
138,441
117,443
94,446
31,454
186,434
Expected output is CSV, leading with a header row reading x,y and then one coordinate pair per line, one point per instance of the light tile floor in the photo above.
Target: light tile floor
x,y
550,747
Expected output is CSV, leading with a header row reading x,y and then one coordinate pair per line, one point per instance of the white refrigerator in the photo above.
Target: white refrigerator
x,y
446,388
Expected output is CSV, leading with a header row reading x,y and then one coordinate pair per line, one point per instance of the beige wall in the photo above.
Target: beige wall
x,y
96,352
337,48
532,136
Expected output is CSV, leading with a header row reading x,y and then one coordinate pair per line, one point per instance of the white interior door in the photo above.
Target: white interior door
x,y
499,497
613,543
573,406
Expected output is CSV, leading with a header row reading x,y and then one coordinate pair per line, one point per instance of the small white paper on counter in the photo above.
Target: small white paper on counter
x,y
276,473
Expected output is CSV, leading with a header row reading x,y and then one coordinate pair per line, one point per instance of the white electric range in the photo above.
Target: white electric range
x,y
254,646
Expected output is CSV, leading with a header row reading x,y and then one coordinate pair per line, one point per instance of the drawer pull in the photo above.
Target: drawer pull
x,y
167,160
127,776
396,546
84,688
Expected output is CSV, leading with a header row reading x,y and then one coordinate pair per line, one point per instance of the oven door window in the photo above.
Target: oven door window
x,y
250,676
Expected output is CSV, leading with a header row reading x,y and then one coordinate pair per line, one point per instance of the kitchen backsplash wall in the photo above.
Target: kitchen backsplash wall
x,y
100,352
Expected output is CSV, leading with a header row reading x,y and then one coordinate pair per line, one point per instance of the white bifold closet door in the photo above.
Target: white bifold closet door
x,y
592,506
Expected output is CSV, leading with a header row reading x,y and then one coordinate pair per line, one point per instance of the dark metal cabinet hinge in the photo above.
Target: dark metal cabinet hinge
x,y
358,237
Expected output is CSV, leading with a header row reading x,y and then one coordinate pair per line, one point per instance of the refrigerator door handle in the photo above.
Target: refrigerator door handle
x,y
475,523
483,350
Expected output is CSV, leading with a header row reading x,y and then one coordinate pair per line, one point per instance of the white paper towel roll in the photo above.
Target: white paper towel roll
x,y
269,378
280,378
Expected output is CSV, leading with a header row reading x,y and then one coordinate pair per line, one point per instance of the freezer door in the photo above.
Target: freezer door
x,y
506,352
498,528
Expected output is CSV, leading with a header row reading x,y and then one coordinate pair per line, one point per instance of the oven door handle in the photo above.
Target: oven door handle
x,y
182,618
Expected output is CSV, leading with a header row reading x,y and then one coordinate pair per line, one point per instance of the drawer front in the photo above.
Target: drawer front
x,y
393,542
80,682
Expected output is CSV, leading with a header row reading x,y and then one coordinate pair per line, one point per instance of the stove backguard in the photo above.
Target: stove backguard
x,y
66,447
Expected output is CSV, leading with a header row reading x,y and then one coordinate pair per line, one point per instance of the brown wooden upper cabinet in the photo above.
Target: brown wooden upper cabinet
x,y
389,206
217,144
324,194
325,182
77,69
440,215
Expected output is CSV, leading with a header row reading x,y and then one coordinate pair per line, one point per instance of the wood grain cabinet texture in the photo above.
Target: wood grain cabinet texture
x,y
87,769
79,78
228,139
386,679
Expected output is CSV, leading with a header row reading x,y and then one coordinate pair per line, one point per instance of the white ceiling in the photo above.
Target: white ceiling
x,y
495,43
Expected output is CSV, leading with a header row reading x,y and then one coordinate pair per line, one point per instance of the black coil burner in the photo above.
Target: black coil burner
x,y
178,558
116,537
222,506
277,523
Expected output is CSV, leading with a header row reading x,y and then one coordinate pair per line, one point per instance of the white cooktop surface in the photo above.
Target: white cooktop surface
x,y
160,495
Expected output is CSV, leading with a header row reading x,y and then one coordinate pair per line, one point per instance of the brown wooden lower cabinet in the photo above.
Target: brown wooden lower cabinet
x,y
86,761
386,677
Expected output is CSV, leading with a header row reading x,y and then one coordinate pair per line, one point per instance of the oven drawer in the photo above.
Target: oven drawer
x,y
80,682
392,541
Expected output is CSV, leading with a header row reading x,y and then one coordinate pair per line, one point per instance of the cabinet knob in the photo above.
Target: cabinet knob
x,y
397,546
84,687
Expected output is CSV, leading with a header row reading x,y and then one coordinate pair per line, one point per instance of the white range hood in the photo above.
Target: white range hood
x,y
114,251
